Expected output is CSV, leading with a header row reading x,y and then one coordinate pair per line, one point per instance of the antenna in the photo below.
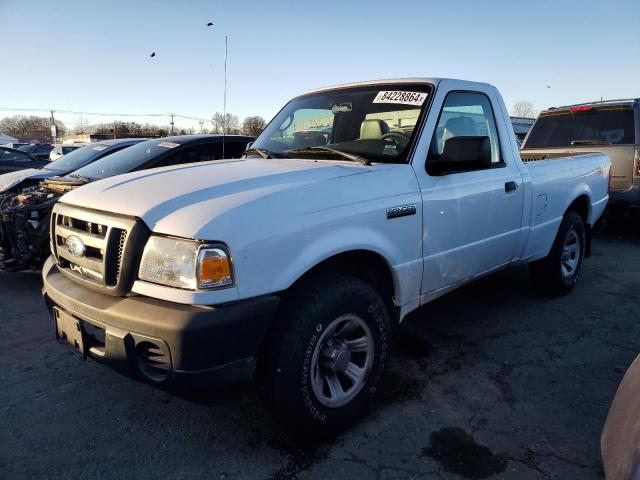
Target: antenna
x,y
224,106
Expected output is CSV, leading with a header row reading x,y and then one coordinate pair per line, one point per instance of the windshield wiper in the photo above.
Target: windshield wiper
x,y
589,142
321,149
266,154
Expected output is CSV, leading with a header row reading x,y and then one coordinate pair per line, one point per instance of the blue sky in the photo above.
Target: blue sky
x,y
94,56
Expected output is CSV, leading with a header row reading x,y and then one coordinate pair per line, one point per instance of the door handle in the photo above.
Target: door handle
x,y
510,186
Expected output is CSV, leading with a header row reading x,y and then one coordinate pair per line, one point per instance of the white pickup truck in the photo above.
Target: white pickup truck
x,y
357,204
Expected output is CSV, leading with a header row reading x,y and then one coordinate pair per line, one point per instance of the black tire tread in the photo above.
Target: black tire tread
x,y
545,273
311,293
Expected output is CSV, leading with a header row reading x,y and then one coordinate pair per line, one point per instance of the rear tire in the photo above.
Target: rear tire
x,y
558,272
327,353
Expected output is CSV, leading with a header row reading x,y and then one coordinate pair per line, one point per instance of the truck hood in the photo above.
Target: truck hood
x,y
13,179
182,200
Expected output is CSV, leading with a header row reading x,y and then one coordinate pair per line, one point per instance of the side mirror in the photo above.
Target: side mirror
x,y
461,154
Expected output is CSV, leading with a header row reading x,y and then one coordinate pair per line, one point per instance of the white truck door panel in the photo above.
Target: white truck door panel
x,y
472,219
471,225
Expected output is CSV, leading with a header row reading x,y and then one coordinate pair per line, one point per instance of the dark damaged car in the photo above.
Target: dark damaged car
x,y
16,181
24,217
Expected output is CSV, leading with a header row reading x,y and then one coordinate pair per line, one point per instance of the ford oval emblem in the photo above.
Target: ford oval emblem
x,y
74,246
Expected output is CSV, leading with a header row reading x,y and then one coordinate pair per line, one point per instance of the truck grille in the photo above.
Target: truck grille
x,y
91,247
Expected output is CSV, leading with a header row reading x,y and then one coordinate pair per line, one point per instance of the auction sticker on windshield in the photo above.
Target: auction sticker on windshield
x,y
403,98
168,144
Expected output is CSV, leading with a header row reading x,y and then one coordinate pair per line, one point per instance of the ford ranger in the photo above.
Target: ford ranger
x,y
293,265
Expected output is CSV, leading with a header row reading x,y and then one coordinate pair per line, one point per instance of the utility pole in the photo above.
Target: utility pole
x,y
201,122
224,105
171,123
54,129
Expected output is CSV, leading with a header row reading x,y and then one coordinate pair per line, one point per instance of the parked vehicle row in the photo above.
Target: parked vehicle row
x,y
22,156
39,151
32,155
25,207
293,266
62,149
13,160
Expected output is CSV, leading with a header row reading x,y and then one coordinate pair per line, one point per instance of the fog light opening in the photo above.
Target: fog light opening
x,y
152,362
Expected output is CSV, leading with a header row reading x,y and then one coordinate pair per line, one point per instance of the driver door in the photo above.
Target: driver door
x,y
471,218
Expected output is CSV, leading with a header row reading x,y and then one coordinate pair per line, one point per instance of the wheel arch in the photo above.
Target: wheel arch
x,y
367,265
582,206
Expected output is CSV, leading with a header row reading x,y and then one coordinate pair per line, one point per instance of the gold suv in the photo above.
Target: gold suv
x,y
610,126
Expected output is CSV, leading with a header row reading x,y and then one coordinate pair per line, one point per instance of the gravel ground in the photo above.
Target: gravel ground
x,y
499,382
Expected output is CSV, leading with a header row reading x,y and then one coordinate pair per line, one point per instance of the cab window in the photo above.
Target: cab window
x,y
466,136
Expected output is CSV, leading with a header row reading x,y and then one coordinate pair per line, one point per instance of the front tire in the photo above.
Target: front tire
x,y
327,353
558,272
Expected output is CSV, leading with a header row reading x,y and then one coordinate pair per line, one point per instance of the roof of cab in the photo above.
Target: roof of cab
x,y
391,81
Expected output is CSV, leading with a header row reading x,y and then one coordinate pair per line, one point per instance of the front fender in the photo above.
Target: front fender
x,y
406,274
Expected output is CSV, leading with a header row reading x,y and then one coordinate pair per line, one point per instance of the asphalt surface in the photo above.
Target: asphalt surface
x,y
499,382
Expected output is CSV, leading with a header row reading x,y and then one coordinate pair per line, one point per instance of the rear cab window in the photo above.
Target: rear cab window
x,y
583,125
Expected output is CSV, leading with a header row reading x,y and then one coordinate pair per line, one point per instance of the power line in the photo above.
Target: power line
x,y
10,109
104,114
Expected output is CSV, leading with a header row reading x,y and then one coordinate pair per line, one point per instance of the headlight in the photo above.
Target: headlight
x,y
185,264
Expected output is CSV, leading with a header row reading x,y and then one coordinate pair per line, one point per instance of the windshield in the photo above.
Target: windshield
x,y
601,126
79,157
374,122
126,160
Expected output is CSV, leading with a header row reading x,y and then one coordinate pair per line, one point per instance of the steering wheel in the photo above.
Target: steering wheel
x,y
399,138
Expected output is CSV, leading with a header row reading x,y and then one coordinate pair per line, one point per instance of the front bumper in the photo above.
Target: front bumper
x,y
193,341
625,198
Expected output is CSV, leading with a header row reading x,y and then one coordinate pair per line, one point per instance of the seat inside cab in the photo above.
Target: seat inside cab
x,y
373,129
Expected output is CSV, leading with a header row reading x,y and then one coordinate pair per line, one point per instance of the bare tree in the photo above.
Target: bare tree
x,y
134,129
81,126
29,128
253,126
524,108
228,123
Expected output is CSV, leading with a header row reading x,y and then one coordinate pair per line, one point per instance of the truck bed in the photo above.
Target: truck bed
x,y
533,156
551,181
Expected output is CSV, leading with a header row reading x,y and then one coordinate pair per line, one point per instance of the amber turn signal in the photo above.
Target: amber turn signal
x,y
214,268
